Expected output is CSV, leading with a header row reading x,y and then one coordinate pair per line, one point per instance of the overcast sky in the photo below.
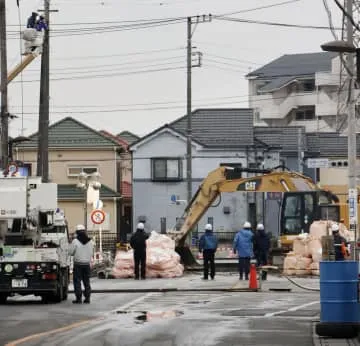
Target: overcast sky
x,y
113,75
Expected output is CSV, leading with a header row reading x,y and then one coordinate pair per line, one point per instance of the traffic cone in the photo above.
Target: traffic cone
x,y
253,280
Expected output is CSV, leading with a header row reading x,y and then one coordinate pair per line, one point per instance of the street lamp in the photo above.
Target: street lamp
x,y
340,46
86,181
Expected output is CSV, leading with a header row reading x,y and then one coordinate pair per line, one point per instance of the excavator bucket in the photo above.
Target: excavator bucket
x,y
187,257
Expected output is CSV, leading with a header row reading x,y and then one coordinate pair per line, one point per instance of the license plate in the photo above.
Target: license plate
x,y
19,283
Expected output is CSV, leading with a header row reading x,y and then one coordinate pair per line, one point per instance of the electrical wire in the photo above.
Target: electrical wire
x,y
286,25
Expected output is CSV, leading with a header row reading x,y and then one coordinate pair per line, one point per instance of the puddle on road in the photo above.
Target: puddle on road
x,y
147,316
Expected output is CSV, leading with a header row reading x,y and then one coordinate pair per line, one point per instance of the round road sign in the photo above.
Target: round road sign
x,y
97,216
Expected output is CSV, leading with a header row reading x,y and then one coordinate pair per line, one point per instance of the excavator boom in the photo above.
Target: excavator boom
x,y
223,179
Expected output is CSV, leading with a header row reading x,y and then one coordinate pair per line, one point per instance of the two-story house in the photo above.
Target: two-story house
x,y
219,137
298,90
75,148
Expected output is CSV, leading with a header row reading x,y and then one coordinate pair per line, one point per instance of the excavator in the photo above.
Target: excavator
x,y
33,42
302,203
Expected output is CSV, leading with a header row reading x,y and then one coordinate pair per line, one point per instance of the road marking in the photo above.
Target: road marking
x,y
295,308
50,332
77,324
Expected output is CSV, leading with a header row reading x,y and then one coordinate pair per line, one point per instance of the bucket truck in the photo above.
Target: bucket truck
x,y
34,240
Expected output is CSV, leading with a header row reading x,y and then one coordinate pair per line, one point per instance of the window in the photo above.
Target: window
x,y
308,85
166,169
305,114
74,171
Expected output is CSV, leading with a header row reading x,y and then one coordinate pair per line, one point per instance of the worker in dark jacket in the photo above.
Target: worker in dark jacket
x,y
261,247
208,244
31,23
339,243
41,24
243,245
138,243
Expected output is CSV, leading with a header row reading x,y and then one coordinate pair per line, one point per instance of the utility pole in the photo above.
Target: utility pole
x,y
351,128
43,138
4,92
188,111
191,20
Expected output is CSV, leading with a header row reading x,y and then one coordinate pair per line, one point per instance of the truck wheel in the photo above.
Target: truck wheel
x,y
3,298
66,285
57,297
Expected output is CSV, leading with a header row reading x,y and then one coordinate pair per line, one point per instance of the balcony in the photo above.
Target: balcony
x,y
271,106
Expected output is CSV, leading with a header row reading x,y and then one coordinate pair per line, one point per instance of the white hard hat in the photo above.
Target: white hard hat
x,y
247,224
335,227
80,228
140,225
208,227
260,227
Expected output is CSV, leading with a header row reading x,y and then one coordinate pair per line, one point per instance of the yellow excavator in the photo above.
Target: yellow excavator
x,y
302,203
33,41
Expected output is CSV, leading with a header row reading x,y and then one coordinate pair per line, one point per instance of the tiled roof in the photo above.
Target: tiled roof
x,y
295,65
219,128
126,189
117,139
70,133
329,144
72,192
128,136
286,137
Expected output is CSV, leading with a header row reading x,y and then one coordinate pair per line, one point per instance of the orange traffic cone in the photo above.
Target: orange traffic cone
x,y
253,280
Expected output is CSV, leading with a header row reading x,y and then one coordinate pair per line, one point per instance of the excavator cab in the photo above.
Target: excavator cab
x,y
301,208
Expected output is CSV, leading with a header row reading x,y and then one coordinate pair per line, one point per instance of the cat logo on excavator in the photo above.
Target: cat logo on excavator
x,y
249,185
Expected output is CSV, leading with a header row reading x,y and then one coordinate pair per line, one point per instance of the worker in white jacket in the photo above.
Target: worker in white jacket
x,y
82,248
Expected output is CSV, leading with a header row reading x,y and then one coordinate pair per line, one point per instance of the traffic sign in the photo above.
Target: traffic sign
x,y
98,204
317,163
97,216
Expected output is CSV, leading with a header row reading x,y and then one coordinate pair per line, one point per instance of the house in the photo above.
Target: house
x,y
298,90
124,180
219,137
73,148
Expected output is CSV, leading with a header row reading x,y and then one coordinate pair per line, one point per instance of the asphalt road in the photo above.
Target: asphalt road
x,y
164,319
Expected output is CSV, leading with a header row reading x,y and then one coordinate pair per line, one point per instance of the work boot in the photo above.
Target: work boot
x,y
77,301
87,301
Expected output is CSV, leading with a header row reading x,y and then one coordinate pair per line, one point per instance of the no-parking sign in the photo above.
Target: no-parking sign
x,y
97,216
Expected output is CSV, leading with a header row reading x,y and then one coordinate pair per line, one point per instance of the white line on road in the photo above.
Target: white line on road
x,y
294,308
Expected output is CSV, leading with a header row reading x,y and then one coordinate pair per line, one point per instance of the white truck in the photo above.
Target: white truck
x,y
34,240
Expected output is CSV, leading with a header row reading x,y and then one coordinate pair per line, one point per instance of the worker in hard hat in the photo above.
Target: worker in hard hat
x,y
243,246
31,22
82,248
340,244
208,244
261,247
138,243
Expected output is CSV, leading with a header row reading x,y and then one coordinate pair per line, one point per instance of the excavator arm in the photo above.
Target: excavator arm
x,y
223,179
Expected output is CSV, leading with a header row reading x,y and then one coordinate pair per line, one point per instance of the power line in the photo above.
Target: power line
x,y
286,25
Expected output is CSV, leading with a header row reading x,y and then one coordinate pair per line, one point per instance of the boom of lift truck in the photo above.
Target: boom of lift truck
x,y
34,240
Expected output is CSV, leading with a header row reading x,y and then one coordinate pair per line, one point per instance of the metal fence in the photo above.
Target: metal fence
x,y
223,237
108,241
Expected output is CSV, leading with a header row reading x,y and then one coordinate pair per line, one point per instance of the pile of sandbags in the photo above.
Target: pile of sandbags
x,y
161,259
307,251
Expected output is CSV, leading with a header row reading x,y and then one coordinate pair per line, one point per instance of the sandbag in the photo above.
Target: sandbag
x,y
303,266
300,246
315,249
161,259
318,229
